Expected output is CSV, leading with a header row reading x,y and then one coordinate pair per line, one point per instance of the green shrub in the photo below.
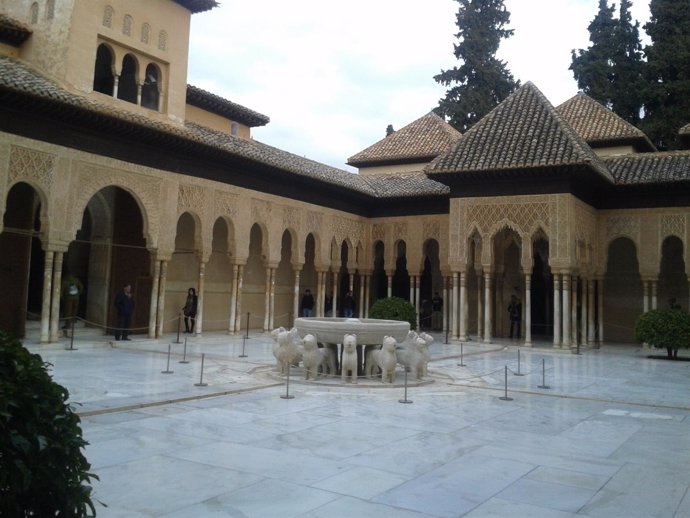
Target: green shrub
x,y
42,470
664,329
394,308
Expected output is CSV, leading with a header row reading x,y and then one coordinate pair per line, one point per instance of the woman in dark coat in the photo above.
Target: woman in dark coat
x,y
189,310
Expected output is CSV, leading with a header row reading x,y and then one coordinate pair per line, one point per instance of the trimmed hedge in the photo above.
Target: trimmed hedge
x,y
664,329
42,469
394,308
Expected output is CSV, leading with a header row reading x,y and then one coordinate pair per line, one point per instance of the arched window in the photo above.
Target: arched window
x,y
33,13
50,9
127,87
149,92
108,16
145,33
127,25
103,79
163,40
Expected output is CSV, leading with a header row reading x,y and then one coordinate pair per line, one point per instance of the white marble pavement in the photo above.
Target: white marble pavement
x,y
610,437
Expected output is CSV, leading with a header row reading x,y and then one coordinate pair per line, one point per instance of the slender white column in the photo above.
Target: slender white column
x,y
55,302
267,298
47,291
295,299
565,284
645,296
446,303
528,310
153,307
488,310
272,307
463,307
600,307
116,85
367,295
412,278
351,282
480,307
238,316
583,317
654,299
417,303
320,294
590,312
161,299
556,310
390,286
233,301
360,313
335,293
573,311
454,314
199,321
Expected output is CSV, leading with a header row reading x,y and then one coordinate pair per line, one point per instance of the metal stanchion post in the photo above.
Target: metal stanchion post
x,y
184,354
244,341
446,342
247,326
543,375
461,364
505,397
179,320
201,377
518,373
167,368
287,385
71,338
405,400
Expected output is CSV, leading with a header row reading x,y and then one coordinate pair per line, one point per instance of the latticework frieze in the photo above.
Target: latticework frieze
x,y
672,225
431,230
192,198
314,221
91,179
291,218
32,165
261,211
525,216
378,232
400,231
623,226
344,228
226,204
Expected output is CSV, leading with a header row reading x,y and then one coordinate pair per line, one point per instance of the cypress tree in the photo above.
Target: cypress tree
x,y
481,81
628,87
667,108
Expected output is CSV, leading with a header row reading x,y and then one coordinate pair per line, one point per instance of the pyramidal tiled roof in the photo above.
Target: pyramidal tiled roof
x,y
216,104
421,140
524,131
638,168
597,124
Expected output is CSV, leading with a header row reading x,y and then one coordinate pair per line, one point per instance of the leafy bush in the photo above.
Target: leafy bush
x,y
664,328
42,469
394,308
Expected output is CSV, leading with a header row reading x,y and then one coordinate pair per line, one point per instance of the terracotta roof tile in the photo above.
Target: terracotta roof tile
x,y
198,6
405,185
16,77
597,124
640,168
420,140
524,131
13,32
216,104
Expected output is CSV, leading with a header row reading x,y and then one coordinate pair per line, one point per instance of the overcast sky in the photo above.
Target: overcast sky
x,y
332,75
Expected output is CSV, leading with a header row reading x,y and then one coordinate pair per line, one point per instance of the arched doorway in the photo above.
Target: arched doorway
x,y
542,290
401,278
218,277
673,280
21,261
254,286
622,291
285,284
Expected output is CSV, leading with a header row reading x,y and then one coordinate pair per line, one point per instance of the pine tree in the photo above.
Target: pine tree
x,y
668,71
592,67
481,81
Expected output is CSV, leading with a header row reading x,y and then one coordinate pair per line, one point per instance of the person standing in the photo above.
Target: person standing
x,y
307,304
72,288
348,305
437,312
124,304
515,312
189,310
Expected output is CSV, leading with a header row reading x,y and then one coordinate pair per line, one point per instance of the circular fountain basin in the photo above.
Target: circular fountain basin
x,y
368,330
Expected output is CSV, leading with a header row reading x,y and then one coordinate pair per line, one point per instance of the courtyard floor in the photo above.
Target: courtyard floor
x,y
609,437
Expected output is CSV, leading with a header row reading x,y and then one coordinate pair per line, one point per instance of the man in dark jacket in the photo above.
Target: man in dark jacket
x,y
124,304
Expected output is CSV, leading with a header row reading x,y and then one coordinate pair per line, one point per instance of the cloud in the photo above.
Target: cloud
x,y
332,75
